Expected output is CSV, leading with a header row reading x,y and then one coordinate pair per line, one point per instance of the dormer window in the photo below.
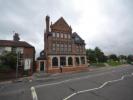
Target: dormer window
x,y
77,39
42,53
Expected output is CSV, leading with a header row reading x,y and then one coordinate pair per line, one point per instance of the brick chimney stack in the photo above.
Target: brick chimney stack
x,y
47,23
16,37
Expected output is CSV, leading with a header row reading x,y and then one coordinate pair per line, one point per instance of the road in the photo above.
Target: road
x,y
102,84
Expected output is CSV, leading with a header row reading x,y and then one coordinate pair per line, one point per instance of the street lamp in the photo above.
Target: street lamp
x,y
17,63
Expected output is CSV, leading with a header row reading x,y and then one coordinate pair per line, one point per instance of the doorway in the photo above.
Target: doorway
x,y
41,66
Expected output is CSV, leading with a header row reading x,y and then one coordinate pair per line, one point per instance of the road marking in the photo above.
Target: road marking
x,y
108,69
34,95
72,79
104,84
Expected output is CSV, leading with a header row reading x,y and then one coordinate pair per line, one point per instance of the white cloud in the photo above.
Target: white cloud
x,y
105,23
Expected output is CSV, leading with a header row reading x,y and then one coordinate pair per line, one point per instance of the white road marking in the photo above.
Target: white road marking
x,y
104,84
34,95
72,79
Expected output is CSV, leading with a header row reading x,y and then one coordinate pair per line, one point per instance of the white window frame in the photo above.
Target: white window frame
x,y
61,35
54,34
57,34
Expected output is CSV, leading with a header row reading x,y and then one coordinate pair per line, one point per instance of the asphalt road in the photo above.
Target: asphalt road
x,y
102,84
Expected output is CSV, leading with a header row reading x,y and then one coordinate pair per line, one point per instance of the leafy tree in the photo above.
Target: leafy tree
x,y
130,58
8,59
95,55
100,55
122,57
113,57
91,55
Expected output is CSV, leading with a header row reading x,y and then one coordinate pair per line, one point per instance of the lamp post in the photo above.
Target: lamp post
x,y
17,65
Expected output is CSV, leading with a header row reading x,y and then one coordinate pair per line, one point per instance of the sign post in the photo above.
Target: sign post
x,y
17,65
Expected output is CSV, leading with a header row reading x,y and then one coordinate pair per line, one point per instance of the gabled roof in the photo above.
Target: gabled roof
x,y
12,43
42,55
77,38
61,24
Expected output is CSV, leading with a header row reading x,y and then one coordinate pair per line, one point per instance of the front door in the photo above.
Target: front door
x,y
41,66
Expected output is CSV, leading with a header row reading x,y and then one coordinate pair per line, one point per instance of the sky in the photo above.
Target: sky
x,y
107,24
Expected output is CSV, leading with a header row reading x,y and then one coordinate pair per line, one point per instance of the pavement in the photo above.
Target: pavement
x,y
107,83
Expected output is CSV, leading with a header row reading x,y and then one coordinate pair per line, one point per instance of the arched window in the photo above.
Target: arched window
x,y
62,61
83,60
70,61
77,60
55,61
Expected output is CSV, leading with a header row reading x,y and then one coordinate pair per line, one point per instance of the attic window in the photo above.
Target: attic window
x,y
42,53
77,39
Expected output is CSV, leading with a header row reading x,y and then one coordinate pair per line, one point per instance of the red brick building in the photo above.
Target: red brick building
x,y
62,48
25,53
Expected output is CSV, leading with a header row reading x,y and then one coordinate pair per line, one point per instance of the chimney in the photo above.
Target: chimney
x,y
47,23
16,37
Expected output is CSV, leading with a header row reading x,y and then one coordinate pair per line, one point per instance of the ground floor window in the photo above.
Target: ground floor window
x,y
83,60
55,61
77,60
70,61
62,61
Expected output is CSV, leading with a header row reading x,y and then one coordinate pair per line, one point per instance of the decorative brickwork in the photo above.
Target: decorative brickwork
x,y
64,50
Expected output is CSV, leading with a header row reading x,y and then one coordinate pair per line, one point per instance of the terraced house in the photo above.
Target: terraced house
x,y
25,53
62,48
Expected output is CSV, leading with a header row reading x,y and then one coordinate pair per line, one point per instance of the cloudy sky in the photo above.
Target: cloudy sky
x,y
107,24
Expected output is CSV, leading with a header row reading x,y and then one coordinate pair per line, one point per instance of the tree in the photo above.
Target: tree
x,y
100,55
113,57
8,59
95,55
91,55
122,57
130,58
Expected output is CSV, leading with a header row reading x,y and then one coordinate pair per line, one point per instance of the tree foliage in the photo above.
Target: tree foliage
x,y
100,55
91,55
113,57
8,59
95,55
130,58
122,57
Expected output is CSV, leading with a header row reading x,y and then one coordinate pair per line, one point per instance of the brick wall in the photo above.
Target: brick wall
x,y
68,69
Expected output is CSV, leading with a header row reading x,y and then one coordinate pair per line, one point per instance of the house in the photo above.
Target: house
x,y
63,49
25,53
